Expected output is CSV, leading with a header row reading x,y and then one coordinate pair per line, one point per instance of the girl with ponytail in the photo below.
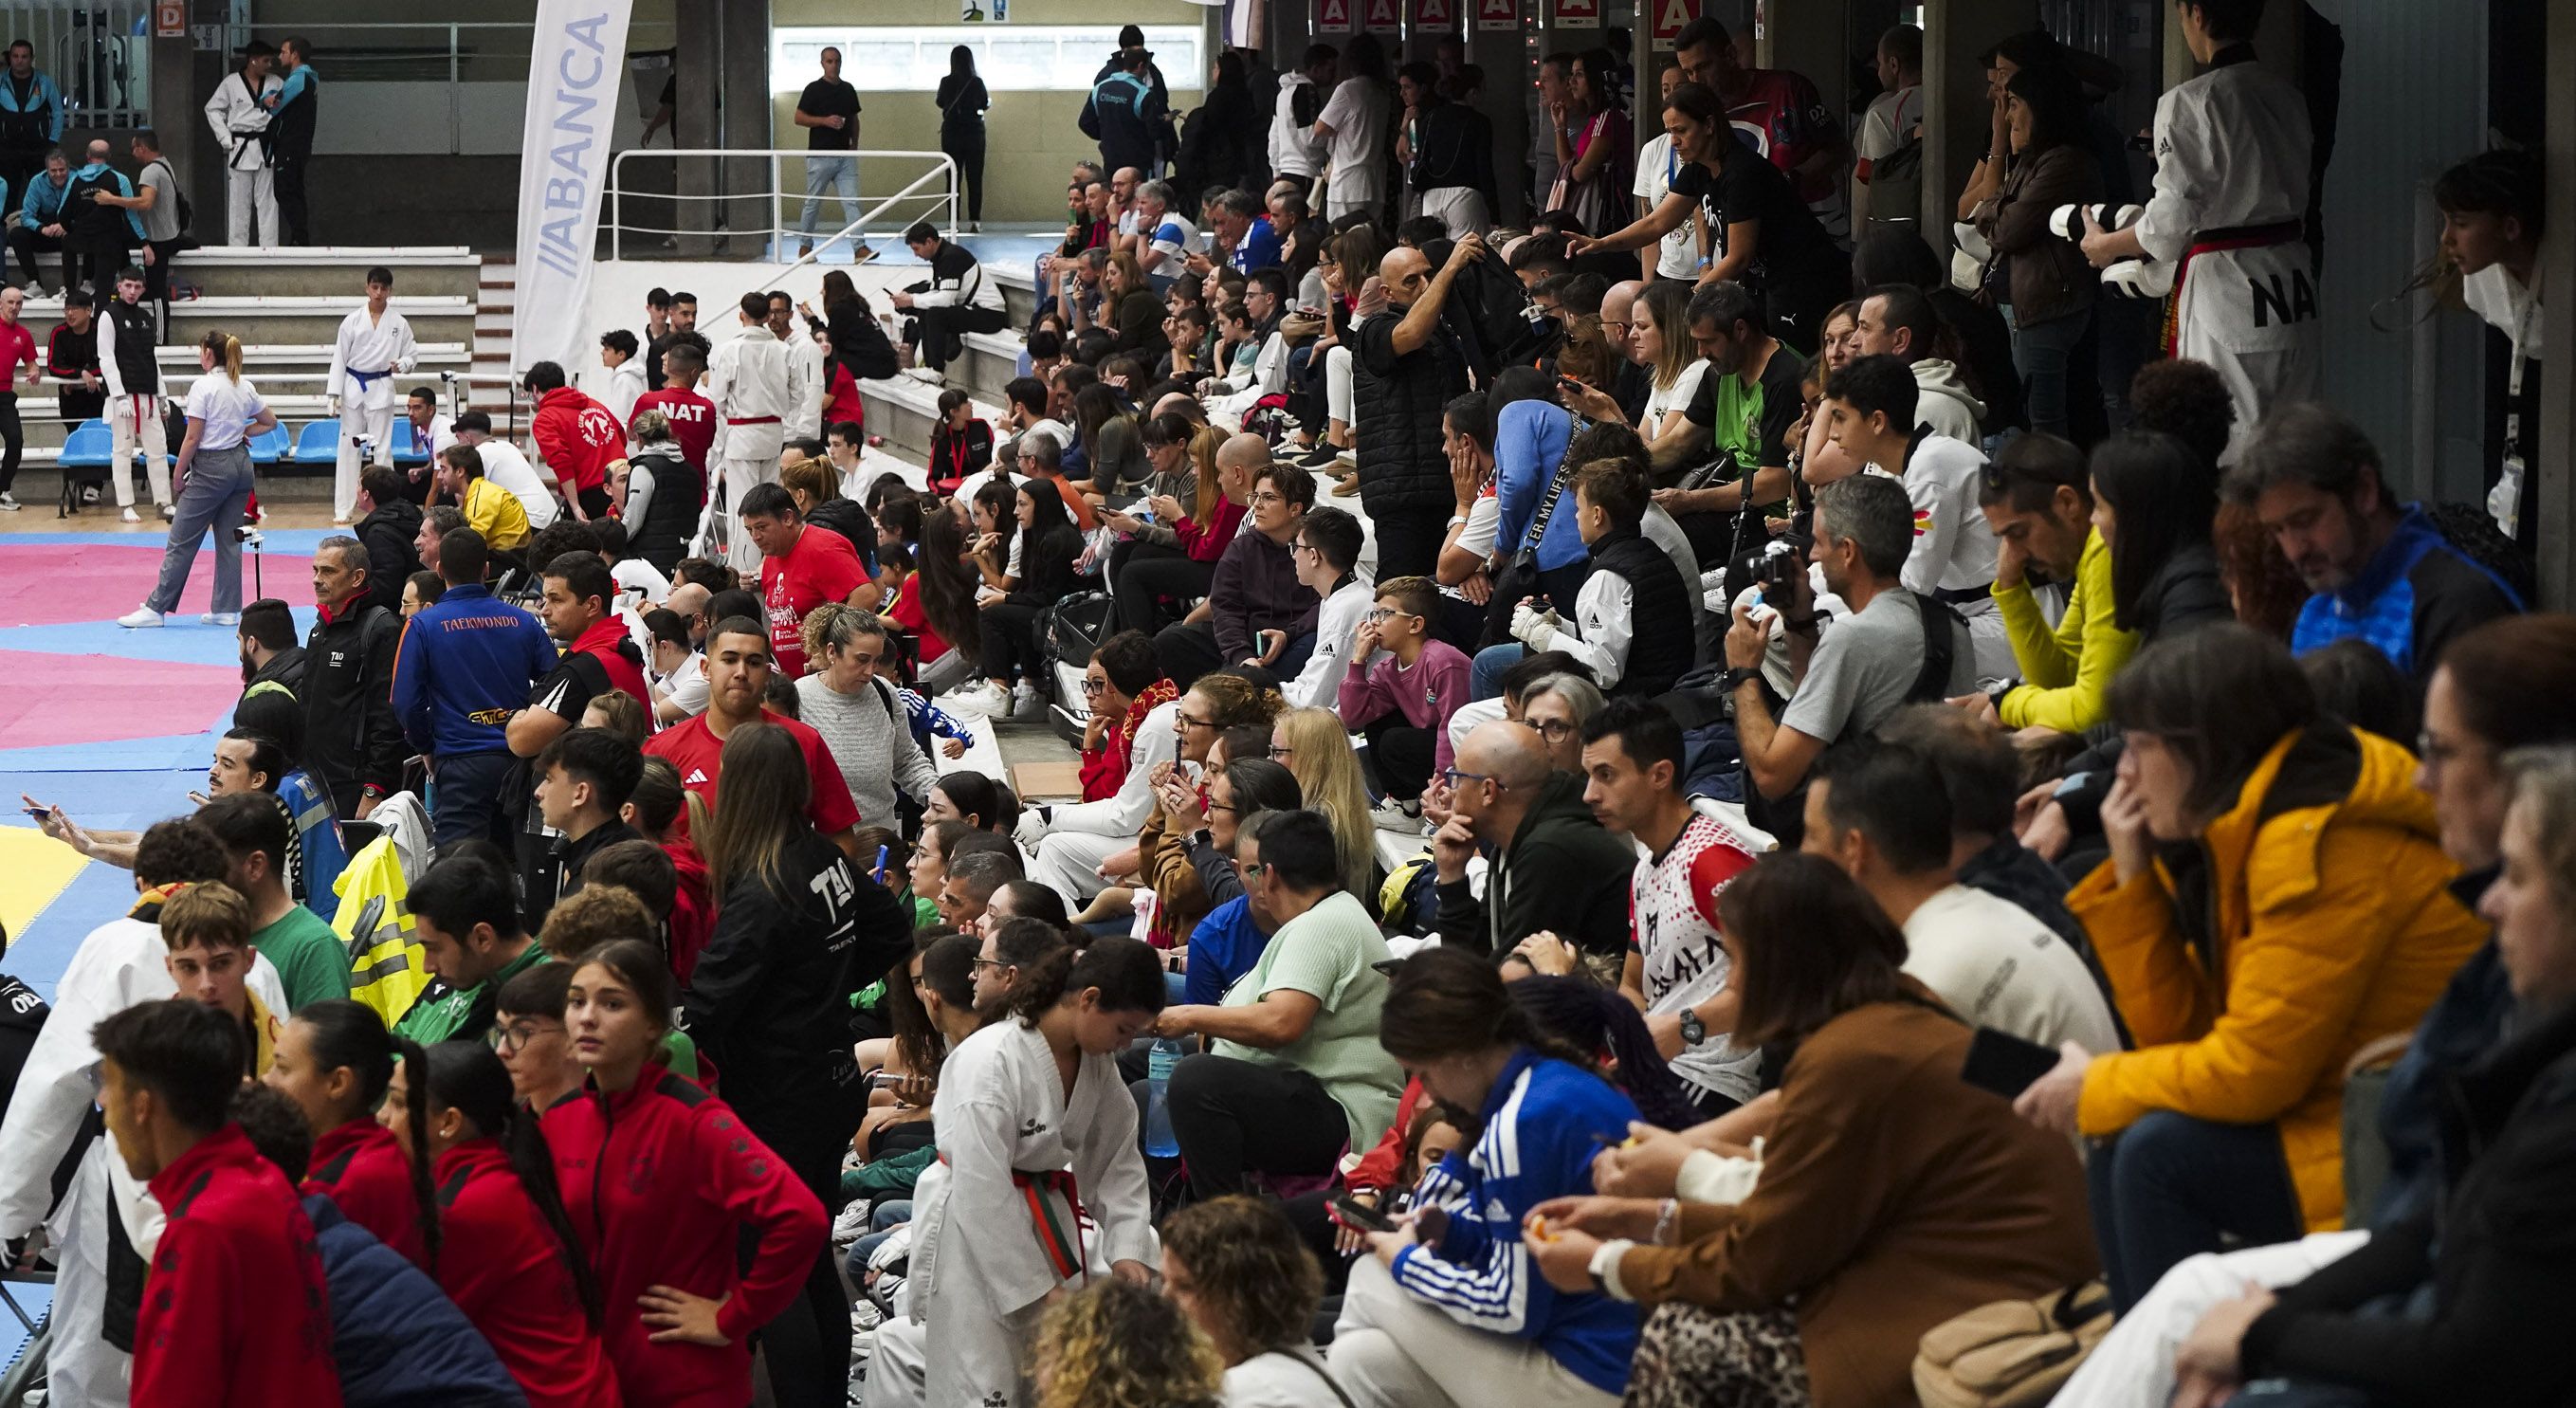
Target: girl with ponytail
x,y
512,1261
215,483
1036,1128
335,1061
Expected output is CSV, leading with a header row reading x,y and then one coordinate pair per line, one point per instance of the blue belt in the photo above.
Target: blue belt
x,y
368,379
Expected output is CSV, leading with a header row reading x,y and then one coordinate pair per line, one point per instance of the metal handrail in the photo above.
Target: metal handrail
x,y
942,168
456,55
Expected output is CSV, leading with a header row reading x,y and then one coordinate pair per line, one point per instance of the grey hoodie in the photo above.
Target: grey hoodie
x,y
1942,402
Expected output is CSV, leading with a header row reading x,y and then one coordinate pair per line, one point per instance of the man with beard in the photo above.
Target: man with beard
x,y
739,668
272,669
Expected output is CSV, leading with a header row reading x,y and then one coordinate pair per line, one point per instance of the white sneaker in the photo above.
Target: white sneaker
x,y
131,516
928,374
221,618
1025,703
1398,817
852,1224
8,504
140,618
169,512
986,698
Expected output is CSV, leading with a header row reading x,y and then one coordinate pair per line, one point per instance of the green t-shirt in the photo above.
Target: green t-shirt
x,y
311,960
1751,420
1327,953
445,1013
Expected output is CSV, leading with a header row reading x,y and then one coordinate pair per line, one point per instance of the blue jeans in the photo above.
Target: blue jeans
x,y
2040,353
824,173
1485,672
2170,1187
465,796
213,497
889,1215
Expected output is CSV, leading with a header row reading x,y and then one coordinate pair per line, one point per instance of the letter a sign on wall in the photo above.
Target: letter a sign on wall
x,y
1383,17
1670,16
1334,16
1498,15
1578,14
1437,16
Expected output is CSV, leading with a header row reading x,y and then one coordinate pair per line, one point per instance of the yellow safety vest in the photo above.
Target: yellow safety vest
x,y
386,969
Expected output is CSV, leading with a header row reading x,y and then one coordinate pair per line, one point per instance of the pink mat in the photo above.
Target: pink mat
x,y
49,585
60,699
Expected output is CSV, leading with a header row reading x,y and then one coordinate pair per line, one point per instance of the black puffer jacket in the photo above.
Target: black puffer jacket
x,y
849,518
1399,398
391,535
1661,643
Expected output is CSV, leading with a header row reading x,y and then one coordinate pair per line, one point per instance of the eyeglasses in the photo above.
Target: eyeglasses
x,y
1280,750
1093,686
514,1037
1186,721
1553,730
1266,496
1453,776
1303,546
1387,613
1211,808
981,964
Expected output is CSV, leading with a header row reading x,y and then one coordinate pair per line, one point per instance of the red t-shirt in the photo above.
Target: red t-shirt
x,y
693,421
821,567
17,345
694,749
906,612
1783,117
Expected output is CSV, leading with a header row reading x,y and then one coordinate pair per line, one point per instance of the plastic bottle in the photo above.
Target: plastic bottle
x,y
1159,1140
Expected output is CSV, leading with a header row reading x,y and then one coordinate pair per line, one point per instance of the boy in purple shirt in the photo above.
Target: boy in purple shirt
x,y
1403,702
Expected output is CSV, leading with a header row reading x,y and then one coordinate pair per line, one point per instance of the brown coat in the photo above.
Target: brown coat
x,y
1893,1197
2048,275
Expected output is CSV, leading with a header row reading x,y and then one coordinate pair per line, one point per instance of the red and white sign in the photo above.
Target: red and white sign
x,y
1498,15
1439,16
1383,16
1576,14
1670,16
1333,17
170,19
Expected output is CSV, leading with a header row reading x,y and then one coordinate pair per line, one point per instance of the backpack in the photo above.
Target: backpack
x,y
187,208
1896,180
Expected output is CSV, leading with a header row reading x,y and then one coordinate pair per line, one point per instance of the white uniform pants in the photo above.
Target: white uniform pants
x,y
82,1368
2133,1367
738,477
1461,208
899,1371
1393,1351
2251,314
1068,862
133,419
247,193
378,427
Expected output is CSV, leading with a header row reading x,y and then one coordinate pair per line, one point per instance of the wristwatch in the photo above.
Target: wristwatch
x,y
1694,1031
1736,676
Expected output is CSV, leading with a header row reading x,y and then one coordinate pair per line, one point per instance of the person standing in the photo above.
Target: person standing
x,y
156,203
963,100
800,571
828,110
692,417
129,362
40,216
753,386
461,667
1124,112
1410,366
374,343
353,745
1353,129
292,109
97,223
239,116
31,117
17,347
578,438
1296,154
224,411
622,357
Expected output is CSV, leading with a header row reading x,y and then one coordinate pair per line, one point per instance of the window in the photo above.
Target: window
x,y
1009,58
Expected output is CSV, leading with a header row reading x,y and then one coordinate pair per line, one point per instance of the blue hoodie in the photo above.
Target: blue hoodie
x,y
1543,1122
2413,596
463,667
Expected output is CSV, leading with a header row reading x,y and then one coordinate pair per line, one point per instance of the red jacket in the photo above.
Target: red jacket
x,y
1105,771
578,437
1209,543
500,1263
361,1166
1380,1167
615,650
660,1180
234,1310
693,910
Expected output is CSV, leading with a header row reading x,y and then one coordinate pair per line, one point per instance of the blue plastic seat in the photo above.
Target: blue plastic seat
x,y
89,446
410,448
271,446
318,442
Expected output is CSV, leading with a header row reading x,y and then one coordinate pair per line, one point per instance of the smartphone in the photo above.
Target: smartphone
x,y
1261,641
2005,1064
1351,1213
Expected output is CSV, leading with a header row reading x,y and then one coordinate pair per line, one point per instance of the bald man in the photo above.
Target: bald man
x,y
1408,366
1555,869
1258,612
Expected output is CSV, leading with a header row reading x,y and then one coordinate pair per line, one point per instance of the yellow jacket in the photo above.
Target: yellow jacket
x,y
390,971
497,514
2330,925
2068,671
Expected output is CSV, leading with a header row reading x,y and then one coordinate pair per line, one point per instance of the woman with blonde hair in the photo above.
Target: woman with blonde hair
x,y
1236,1265
224,412
815,485
1661,325
1130,307
1313,745
1117,1345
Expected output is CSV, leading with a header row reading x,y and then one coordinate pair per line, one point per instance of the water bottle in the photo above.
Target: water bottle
x,y
1159,1141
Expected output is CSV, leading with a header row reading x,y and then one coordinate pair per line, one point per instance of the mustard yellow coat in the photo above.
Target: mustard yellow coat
x,y
2332,928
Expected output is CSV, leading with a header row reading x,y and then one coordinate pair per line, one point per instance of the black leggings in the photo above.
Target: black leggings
x,y
807,1347
14,439
967,150
1141,574
1234,1117
1011,643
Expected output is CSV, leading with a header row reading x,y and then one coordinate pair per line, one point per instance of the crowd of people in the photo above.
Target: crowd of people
x,y
1844,862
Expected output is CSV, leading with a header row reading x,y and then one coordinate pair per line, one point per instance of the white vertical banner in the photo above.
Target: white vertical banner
x,y
575,66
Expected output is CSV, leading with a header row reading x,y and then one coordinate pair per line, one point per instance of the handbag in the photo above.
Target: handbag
x,y
2013,1353
1519,575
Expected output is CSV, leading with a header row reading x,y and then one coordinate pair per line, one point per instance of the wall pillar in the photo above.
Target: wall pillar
x,y
1505,102
1957,116
2557,468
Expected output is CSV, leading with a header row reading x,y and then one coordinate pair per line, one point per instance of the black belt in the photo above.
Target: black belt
x,y
1961,596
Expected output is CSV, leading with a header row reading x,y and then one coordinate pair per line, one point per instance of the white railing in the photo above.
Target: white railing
x,y
98,52
931,194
